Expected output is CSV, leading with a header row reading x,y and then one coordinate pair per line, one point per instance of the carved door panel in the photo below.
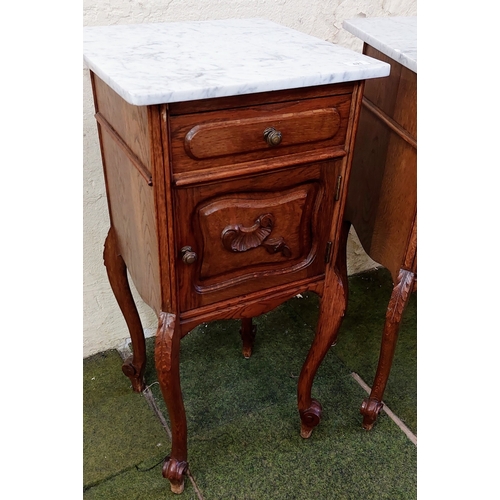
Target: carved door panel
x,y
254,233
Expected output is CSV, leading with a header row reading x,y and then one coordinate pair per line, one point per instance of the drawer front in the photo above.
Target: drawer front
x,y
228,137
253,234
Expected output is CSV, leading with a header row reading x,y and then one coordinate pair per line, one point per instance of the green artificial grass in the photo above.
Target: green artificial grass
x,y
133,484
119,429
243,423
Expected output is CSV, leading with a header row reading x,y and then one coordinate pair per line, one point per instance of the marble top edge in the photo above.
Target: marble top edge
x,y
396,37
157,63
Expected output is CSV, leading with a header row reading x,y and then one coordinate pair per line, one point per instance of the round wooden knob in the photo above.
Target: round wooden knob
x,y
272,136
188,256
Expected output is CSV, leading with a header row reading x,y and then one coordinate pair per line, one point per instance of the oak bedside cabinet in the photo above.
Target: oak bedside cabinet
x,y
382,197
226,148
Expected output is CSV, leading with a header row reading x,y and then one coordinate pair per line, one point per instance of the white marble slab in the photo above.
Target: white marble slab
x,y
396,37
171,62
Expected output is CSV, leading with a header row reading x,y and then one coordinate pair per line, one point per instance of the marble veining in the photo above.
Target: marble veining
x,y
171,62
396,37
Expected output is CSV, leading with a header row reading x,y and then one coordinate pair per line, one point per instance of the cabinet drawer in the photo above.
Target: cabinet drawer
x,y
232,136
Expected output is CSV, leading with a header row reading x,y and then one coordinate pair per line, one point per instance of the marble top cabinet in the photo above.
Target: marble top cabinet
x,y
226,149
395,37
382,197
160,63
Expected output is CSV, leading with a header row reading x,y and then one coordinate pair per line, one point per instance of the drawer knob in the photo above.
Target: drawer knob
x,y
272,136
188,256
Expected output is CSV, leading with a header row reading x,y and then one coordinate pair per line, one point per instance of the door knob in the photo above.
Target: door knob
x,y
188,256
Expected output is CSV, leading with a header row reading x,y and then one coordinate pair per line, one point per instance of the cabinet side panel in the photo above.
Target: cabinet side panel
x,y
131,206
129,122
382,195
397,206
405,113
396,94
367,172
124,129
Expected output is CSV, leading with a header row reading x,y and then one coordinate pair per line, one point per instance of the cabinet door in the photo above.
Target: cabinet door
x,y
254,233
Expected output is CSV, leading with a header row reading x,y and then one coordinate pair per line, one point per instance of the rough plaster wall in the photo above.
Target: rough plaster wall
x,y
104,326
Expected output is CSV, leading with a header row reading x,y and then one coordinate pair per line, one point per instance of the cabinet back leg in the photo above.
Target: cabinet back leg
x,y
247,333
116,269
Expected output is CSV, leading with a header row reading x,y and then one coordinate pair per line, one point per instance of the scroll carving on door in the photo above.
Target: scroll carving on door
x,y
244,236
238,238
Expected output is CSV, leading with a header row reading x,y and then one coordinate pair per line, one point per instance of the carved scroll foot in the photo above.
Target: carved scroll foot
x,y
310,418
370,410
174,471
116,269
134,374
397,304
247,332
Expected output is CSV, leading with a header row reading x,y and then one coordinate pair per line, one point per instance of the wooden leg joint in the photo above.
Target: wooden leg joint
x,y
310,418
370,409
174,471
164,342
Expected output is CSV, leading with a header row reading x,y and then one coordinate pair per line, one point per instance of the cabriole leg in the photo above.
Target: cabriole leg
x,y
167,351
331,313
399,299
116,269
